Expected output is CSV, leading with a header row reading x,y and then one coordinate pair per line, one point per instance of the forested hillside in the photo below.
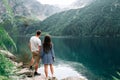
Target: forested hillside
x,y
21,17
100,18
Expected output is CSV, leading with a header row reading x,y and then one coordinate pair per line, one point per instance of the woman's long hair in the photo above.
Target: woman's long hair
x,y
47,45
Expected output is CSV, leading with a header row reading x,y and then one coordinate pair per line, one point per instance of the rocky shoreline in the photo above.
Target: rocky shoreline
x,y
22,71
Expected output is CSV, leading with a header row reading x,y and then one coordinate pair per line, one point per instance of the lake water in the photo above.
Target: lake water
x,y
89,58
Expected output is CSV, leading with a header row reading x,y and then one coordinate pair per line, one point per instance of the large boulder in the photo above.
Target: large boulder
x,y
8,55
26,74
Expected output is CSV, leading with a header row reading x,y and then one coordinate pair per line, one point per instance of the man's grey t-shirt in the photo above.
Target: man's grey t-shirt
x,y
35,43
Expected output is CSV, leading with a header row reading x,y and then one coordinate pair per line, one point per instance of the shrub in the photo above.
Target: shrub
x,y
6,66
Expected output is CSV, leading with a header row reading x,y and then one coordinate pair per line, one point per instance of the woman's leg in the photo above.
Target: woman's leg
x,y
52,69
46,69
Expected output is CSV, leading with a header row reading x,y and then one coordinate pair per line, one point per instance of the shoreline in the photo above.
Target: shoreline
x,y
22,72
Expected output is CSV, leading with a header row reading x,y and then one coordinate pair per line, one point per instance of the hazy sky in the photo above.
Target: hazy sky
x,y
61,3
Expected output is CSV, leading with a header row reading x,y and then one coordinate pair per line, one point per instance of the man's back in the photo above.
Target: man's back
x,y
35,43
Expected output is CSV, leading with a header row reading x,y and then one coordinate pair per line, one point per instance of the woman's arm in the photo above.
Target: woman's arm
x,y
53,53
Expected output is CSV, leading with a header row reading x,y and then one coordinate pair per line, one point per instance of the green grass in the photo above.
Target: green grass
x,y
6,68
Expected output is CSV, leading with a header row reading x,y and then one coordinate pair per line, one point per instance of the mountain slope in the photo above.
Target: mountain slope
x,y
21,17
81,3
29,8
101,18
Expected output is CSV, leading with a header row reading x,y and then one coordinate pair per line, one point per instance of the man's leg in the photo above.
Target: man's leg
x,y
37,64
33,59
32,62
36,67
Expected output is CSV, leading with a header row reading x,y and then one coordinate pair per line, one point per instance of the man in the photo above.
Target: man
x,y
35,45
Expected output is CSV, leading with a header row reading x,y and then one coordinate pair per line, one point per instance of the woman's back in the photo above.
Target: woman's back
x,y
47,57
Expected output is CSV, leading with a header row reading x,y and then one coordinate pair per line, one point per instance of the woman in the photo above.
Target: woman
x,y
47,55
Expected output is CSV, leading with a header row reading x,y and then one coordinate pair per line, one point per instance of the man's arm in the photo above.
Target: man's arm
x,y
39,47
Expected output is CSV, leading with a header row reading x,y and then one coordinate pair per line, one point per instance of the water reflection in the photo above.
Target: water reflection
x,y
99,55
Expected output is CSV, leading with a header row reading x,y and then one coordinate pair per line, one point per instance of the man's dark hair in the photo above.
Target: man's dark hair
x,y
38,32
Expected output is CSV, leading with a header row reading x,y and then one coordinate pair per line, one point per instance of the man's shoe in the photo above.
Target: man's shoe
x,y
36,74
31,68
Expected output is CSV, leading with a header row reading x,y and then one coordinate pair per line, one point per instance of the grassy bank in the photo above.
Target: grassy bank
x,y
6,68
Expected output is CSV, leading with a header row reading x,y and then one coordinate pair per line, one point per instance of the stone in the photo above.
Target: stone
x,y
26,72
8,55
19,64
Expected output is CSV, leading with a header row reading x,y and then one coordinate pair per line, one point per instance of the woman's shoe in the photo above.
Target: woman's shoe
x,y
46,78
54,78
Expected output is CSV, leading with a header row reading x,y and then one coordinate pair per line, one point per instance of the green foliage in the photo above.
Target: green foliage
x,y
115,78
5,40
8,17
4,78
26,25
9,11
6,66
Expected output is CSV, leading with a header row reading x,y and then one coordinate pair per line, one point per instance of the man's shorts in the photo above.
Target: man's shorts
x,y
36,56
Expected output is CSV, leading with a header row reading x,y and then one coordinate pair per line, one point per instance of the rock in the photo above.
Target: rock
x,y
19,65
26,74
8,55
25,65
25,71
41,77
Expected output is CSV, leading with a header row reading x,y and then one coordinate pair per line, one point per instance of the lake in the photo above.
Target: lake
x,y
90,58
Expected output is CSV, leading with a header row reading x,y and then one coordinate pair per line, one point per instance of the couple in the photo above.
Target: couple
x,y
42,51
